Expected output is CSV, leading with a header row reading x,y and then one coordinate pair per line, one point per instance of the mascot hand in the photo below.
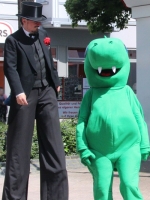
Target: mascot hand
x,y
86,157
144,156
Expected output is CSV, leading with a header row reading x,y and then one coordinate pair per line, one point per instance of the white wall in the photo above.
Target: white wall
x,y
143,65
128,36
71,37
8,9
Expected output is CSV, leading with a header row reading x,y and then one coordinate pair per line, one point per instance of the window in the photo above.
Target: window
x,y
132,54
76,70
1,52
54,55
53,51
76,52
1,75
76,62
55,65
71,89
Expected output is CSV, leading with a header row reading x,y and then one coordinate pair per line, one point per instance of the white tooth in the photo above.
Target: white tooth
x,y
99,69
114,69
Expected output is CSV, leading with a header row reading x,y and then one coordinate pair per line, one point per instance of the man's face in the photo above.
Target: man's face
x,y
30,26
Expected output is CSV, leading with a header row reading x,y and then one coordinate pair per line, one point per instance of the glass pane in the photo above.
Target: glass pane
x,y
55,65
81,71
1,52
73,89
76,70
76,52
53,50
132,54
72,69
1,75
60,94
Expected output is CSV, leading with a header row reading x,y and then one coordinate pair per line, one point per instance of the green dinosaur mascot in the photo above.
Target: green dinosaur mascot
x,y
111,131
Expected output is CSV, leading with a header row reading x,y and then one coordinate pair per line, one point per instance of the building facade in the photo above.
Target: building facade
x,y
8,25
68,46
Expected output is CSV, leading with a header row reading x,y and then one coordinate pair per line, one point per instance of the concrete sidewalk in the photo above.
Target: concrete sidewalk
x,y
80,181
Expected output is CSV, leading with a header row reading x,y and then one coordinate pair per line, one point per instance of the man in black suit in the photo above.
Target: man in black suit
x,y
34,83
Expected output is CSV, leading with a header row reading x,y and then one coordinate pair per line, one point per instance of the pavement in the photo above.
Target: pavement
x,y
80,181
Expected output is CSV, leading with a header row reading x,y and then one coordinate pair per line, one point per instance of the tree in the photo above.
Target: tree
x,y
100,15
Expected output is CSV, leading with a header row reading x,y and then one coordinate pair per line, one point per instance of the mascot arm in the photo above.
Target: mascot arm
x,y
139,116
86,157
82,146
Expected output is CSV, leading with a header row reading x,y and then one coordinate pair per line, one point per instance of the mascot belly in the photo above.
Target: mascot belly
x,y
111,132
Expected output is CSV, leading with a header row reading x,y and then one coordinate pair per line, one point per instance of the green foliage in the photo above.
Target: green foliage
x,y
35,146
3,130
100,15
68,130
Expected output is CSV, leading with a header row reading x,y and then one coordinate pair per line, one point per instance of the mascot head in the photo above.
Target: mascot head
x,y
106,63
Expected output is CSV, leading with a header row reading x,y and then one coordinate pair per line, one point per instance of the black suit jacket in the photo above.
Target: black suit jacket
x,y
20,67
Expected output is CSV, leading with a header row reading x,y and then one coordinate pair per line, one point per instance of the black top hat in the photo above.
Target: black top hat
x,y
32,11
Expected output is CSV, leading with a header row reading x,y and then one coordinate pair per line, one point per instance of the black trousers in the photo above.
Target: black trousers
x,y
42,105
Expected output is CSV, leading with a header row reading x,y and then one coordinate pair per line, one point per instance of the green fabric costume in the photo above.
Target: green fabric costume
x,y
111,131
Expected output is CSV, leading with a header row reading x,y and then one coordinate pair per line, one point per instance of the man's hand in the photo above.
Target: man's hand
x,y
58,88
21,99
